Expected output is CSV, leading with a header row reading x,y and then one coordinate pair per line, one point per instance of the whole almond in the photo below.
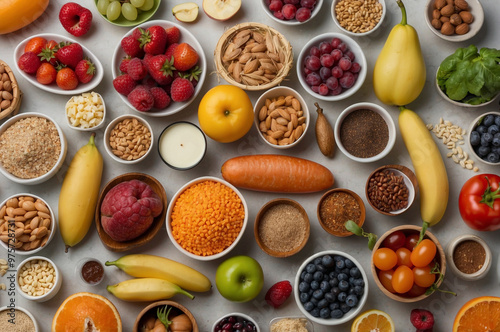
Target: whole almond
x,y
447,10
5,104
7,86
6,95
436,13
462,4
455,19
439,4
436,24
462,29
466,16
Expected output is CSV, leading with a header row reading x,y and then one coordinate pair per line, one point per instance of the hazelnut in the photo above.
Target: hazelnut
x,y
462,4
436,14
466,17
462,29
448,10
439,4
447,29
455,19
436,23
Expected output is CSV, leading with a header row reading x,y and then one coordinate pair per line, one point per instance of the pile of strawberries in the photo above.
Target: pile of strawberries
x,y
63,63
157,68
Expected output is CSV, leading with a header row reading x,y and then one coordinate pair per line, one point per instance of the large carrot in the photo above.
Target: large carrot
x,y
277,173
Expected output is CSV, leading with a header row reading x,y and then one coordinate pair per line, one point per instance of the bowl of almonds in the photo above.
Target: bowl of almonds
x,y
27,224
253,56
10,93
281,117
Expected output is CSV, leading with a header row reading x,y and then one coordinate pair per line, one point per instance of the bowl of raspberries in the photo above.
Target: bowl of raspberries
x,y
158,68
330,287
292,12
331,66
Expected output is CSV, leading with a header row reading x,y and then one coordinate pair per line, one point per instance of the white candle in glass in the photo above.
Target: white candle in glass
x,y
182,145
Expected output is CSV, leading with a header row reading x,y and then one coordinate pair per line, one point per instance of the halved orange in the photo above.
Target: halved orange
x,y
478,315
86,312
373,320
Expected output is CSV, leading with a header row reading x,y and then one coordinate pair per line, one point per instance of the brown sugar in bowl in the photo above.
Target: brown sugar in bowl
x,y
332,219
281,227
151,310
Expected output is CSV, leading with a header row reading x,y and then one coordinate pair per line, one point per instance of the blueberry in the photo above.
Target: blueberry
x,y
351,280
483,151
345,270
321,268
324,313
342,297
343,285
303,274
329,297
349,264
497,120
338,258
325,286
314,285
340,264
493,129
495,149
308,306
315,312
337,313
496,141
304,297
350,291
334,305
486,139
359,282
327,261
351,300
334,282
311,268
475,138
318,294
314,301
317,261
304,286
358,290
322,304
493,157
318,276
335,291
342,276
345,308
355,272
308,277
488,120
481,129
332,275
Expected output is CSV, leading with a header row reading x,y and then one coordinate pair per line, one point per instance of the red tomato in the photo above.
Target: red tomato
x,y
423,254
402,279
385,278
411,241
423,276
479,204
395,240
403,255
384,259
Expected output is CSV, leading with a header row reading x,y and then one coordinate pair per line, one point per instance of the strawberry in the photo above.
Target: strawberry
x,y
193,75
185,57
85,71
69,54
173,35
48,53
75,18
161,98
124,84
160,69
141,98
153,40
46,73
132,46
181,89
422,319
29,62
170,50
66,79
136,69
278,293
35,45
124,64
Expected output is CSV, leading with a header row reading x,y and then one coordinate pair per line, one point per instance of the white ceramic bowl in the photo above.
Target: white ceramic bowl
x,y
186,37
53,226
472,127
308,324
112,125
357,34
274,93
450,249
347,316
59,162
172,204
475,9
57,282
141,17
388,120
53,88
244,316
80,128
12,310
314,12
79,271
359,57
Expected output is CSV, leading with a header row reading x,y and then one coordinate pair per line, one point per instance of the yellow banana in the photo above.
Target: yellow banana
x,y
146,289
150,266
79,193
428,164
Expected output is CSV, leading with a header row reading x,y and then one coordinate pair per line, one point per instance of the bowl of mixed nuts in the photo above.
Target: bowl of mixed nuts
x,y
358,18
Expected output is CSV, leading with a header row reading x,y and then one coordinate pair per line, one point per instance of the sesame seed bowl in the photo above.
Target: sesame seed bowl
x,y
213,192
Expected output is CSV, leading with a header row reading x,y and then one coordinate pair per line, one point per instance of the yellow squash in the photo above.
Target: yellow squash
x,y
79,193
16,14
399,73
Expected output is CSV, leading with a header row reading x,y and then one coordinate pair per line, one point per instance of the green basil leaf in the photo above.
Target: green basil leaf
x,y
351,226
372,239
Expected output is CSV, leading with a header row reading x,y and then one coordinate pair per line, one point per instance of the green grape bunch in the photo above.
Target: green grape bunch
x,y
129,9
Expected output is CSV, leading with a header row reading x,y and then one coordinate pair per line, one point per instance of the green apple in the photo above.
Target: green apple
x,y
239,278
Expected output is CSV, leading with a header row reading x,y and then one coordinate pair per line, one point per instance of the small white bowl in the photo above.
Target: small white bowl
x,y
172,205
450,249
57,282
274,93
80,128
79,271
308,325
59,162
388,120
475,9
314,12
472,127
186,37
244,316
359,57
110,128
357,34
347,316
53,88
13,312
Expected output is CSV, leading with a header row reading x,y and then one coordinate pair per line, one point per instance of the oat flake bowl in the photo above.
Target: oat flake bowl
x,y
25,321
32,148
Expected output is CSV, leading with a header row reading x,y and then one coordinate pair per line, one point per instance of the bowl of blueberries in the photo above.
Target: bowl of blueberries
x,y
330,287
484,138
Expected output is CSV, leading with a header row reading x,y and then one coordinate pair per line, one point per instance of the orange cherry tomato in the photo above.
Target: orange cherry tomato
x,y
416,290
403,255
402,279
423,254
385,278
423,276
384,259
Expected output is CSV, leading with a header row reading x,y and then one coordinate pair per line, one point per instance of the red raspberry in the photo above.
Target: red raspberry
x,y
124,84
278,293
124,64
136,69
173,35
161,98
422,319
181,90
29,62
170,50
141,98
149,82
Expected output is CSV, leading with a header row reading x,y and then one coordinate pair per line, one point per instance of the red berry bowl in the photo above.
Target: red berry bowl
x,y
292,12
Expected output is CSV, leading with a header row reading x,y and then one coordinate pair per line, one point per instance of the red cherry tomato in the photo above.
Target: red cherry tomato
x,y
416,290
423,276
403,255
384,259
423,254
395,240
402,279
411,241
385,278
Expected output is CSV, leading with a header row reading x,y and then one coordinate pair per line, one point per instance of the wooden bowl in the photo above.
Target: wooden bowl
x,y
151,310
340,229
440,258
260,215
410,181
13,109
147,236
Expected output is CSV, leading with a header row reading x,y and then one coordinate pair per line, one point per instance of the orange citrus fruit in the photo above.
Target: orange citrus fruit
x,y
479,314
86,312
373,320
